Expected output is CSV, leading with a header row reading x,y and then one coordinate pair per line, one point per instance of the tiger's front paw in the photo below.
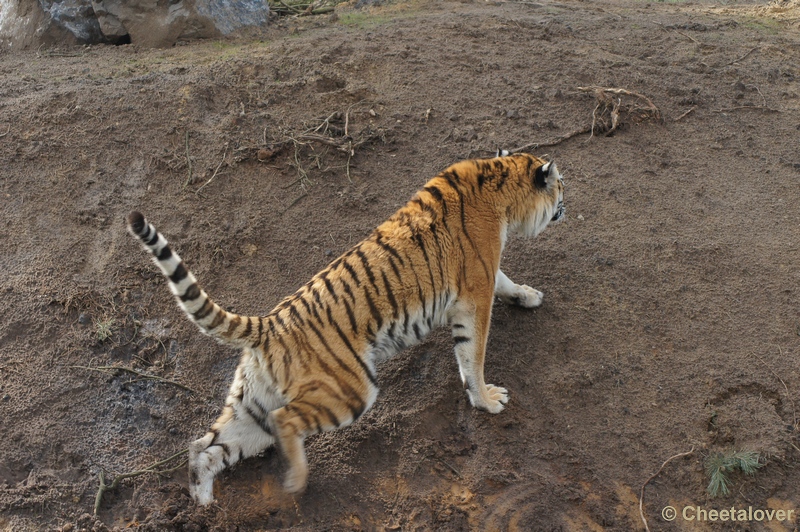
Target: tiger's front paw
x,y
524,296
492,400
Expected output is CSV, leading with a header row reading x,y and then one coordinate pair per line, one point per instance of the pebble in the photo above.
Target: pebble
x,y
580,217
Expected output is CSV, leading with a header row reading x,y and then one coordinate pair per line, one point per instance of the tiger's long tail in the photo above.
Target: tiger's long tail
x,y
213,320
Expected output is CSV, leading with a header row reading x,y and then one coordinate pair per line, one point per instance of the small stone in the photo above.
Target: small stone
x,y
264,154
84,318
6,397
581,218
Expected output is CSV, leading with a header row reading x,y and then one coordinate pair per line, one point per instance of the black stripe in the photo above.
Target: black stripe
x,y
460,339
435,192
225,449
457,326
329,413
363,365
219,318
247,328
421,243
502,169
351,316
277,317
260,332
347,289
316,385
352,272
329,286
205,310
263,423
153,239
192,293
379,240
316,297
305,304
373,309
239,394
322,409
427,208
179,274
417,332
327,347
367,269
296,315
164,254
234,324
390,295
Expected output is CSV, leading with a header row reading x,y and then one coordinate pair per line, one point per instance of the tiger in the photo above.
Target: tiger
x,y
309,365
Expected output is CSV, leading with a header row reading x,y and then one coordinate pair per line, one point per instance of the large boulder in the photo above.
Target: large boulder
x,y
153,23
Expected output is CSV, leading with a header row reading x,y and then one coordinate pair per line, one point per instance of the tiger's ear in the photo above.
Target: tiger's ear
x,y
502,153
544,175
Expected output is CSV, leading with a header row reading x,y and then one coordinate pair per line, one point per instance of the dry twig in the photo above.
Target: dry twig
x,y
559,140
146,376
641,493
686,113
741,58
119,478
224,153
188,162
666,28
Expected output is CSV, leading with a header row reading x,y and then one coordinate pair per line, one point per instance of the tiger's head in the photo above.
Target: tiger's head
x,y
540,196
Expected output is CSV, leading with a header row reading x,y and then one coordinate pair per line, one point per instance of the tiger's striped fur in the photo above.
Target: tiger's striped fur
x,y
309,365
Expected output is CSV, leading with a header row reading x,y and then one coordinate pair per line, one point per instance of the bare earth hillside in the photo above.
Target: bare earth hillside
x,y
671,319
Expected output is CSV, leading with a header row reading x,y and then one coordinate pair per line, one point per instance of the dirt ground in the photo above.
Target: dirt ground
x,y
671,319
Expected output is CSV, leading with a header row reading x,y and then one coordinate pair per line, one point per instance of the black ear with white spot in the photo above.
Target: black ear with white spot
x,y
542,174
502,153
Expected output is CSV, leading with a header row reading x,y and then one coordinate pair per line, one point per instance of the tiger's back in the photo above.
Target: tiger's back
x,y
309,365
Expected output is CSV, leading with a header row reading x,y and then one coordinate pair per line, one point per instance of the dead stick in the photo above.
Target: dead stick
x,y
741,58
680,33
754,107
641,493
108,369
119,478
7,132
188,161
686,113
559,140
224,153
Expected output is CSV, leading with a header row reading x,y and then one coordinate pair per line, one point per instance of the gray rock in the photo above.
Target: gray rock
x,y
149,23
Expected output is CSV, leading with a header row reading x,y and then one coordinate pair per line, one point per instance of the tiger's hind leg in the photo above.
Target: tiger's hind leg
x,y
240,432
511,293
469,321
327,407
235,435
